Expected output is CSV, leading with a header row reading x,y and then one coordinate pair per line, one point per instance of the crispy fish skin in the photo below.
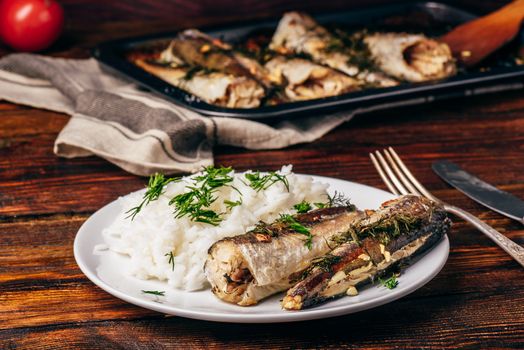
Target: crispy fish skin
x,y
305,80
247,268
353,264
197,48
299,33
411,57
206,67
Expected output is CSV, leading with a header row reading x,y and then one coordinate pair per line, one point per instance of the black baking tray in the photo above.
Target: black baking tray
x,y
497,71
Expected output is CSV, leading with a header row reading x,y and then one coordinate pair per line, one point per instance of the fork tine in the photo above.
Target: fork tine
x,y
388,183
412,178
402,177
390,173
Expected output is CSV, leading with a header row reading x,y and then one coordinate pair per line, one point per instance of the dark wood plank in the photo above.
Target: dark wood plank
x,y
468,320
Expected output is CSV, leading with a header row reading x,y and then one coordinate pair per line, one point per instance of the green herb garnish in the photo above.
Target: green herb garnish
x,y
325,263
262,227
390,227
259,182
230,204
297,227
171,260
302,207
339,200
190,74
389,283
155,188
197,201
336,200
154,292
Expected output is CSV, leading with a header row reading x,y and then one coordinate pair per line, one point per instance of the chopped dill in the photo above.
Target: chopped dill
x,y
325,263
389,283
336,200
155,188
262,227
302,207
297,227
355,48
384,229
259,182
154,292
390,227
171,260
197,201
339,200
190,74
231,204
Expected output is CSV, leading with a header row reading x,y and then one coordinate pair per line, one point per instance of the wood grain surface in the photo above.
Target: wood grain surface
x,y
47,303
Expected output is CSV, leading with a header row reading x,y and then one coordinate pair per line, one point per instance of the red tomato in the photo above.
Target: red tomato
x,y
30,25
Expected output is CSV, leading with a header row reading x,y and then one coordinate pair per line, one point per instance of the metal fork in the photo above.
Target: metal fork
x,y
400,181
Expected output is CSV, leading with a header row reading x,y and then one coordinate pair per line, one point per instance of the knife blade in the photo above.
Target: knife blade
x,y
480,191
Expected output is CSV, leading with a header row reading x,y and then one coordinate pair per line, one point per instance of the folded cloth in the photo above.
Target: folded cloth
x,y
133,128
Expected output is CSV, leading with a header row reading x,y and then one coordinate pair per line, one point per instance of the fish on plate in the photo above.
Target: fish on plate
x,y
248,268
347,248
381,243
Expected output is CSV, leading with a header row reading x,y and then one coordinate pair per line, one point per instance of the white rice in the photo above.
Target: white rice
x,y
155,232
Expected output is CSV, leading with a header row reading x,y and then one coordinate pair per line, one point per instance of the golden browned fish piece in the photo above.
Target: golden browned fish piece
x,y
299,33
248,268
213,87
411,57
305,80
383,240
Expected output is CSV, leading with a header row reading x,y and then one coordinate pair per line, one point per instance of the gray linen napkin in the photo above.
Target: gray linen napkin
x,y
114,119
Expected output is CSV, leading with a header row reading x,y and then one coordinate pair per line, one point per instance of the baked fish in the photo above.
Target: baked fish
x,y
207,68
399,230
248,268
305,80
299,33
213,87
197,48
411,57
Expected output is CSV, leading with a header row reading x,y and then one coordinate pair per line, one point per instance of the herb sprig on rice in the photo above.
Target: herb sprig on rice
x,y
196,202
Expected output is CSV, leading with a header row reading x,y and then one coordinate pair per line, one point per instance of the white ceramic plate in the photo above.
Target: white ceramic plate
x,y
109,273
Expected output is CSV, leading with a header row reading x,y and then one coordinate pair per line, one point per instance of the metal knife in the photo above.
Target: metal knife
x,y
480,191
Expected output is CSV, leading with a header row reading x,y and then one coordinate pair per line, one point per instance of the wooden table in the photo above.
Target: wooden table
x,y
46,302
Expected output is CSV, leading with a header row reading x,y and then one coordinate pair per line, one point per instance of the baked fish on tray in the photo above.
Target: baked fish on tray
x,y
207,68
346,249
299,33
411,57
396,56
305,80
213,87
300,61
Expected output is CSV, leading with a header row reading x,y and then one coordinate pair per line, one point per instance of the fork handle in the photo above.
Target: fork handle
x,y
510,247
